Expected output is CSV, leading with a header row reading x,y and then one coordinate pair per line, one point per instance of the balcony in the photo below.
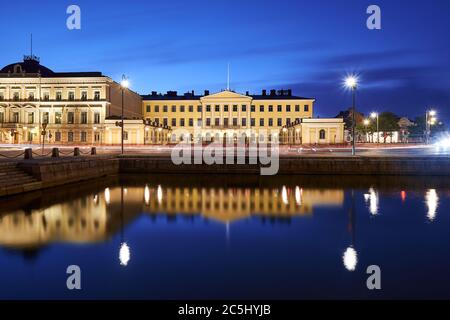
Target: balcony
x,y
224,127
52,100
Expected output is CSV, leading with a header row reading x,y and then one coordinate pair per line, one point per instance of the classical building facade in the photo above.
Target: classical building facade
x,y
230,115
37,103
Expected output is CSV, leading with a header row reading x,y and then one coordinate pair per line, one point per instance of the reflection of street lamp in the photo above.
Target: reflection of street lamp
x,y
375,115
350,256
432,201
124,252
430,120
124,84
351,82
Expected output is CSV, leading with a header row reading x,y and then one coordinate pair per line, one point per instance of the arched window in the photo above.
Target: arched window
x,y
17,68
322,134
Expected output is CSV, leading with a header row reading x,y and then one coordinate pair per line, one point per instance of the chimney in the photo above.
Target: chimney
x,y
289,92
246,93
264,92
206,92
154,93
273,92
192,92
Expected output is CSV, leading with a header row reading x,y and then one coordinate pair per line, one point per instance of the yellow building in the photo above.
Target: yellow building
x,y
72,106
228,115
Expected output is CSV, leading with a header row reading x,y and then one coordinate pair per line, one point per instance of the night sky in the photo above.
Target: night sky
x,y
308,46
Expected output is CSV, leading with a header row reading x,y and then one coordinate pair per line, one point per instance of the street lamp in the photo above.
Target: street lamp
x,y
375,115
351,83
124,84
430,119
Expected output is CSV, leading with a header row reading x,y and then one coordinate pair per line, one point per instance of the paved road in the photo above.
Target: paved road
x,y
8,151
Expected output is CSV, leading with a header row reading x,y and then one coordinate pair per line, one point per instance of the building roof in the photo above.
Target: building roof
x,y
32,67
272,95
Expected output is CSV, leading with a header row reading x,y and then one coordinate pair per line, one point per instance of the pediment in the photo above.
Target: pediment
x,y
226,95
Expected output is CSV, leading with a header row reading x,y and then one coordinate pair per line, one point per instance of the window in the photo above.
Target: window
x,y
148,108
30,96
279,122
2,97
225,122
322,134
182,122
58,117
46,96
252,122
270,122
217,108
16,117
174,122
45,118
306,108
244,122
199,122
174,109
70,136
217,121
261,122
83,136
97,137
297,108
191,122
96,95
288,121
252,108
279,108
70,118
125,135
165,122
84,117
261,108
58,136
157,121
71,95
58,95
16,96
288,108
84,95
225,108
270,108
235,107
199,108
244,108
235,121
182,108
97,117
208,108
208,122
2,117
191,108
156,108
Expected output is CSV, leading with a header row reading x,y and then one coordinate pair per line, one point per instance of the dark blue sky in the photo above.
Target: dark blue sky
x,y
308,46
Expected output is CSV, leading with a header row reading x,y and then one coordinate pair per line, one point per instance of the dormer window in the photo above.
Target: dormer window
x,y
17,68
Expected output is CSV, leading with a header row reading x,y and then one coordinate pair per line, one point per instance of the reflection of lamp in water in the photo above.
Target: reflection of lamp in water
x,y
107,196
350,256
124,251
350,259
147,195
284,195
159,194
298,195
372,198
432,200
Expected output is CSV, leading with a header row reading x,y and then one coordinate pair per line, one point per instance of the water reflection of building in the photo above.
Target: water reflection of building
x,y
98,216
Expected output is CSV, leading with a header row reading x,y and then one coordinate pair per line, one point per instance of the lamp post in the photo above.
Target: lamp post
x,y
124,84
375,115
430,119
351,82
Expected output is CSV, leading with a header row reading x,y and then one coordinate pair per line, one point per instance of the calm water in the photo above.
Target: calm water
x,y
221,237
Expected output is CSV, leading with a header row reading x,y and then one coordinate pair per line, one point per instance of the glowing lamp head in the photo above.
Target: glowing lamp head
x,y
351,82
432,113
373,115
366,122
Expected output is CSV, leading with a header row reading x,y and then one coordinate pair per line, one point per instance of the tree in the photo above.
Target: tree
x,y
388,123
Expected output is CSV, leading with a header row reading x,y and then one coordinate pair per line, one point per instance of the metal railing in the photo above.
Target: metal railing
x,y
29,153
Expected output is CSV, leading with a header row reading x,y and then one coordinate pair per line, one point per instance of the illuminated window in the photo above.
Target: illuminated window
x,y
322,134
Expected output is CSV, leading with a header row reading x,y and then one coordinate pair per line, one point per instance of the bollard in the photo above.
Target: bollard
x,y
28,154
93,151
55,153
76,152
